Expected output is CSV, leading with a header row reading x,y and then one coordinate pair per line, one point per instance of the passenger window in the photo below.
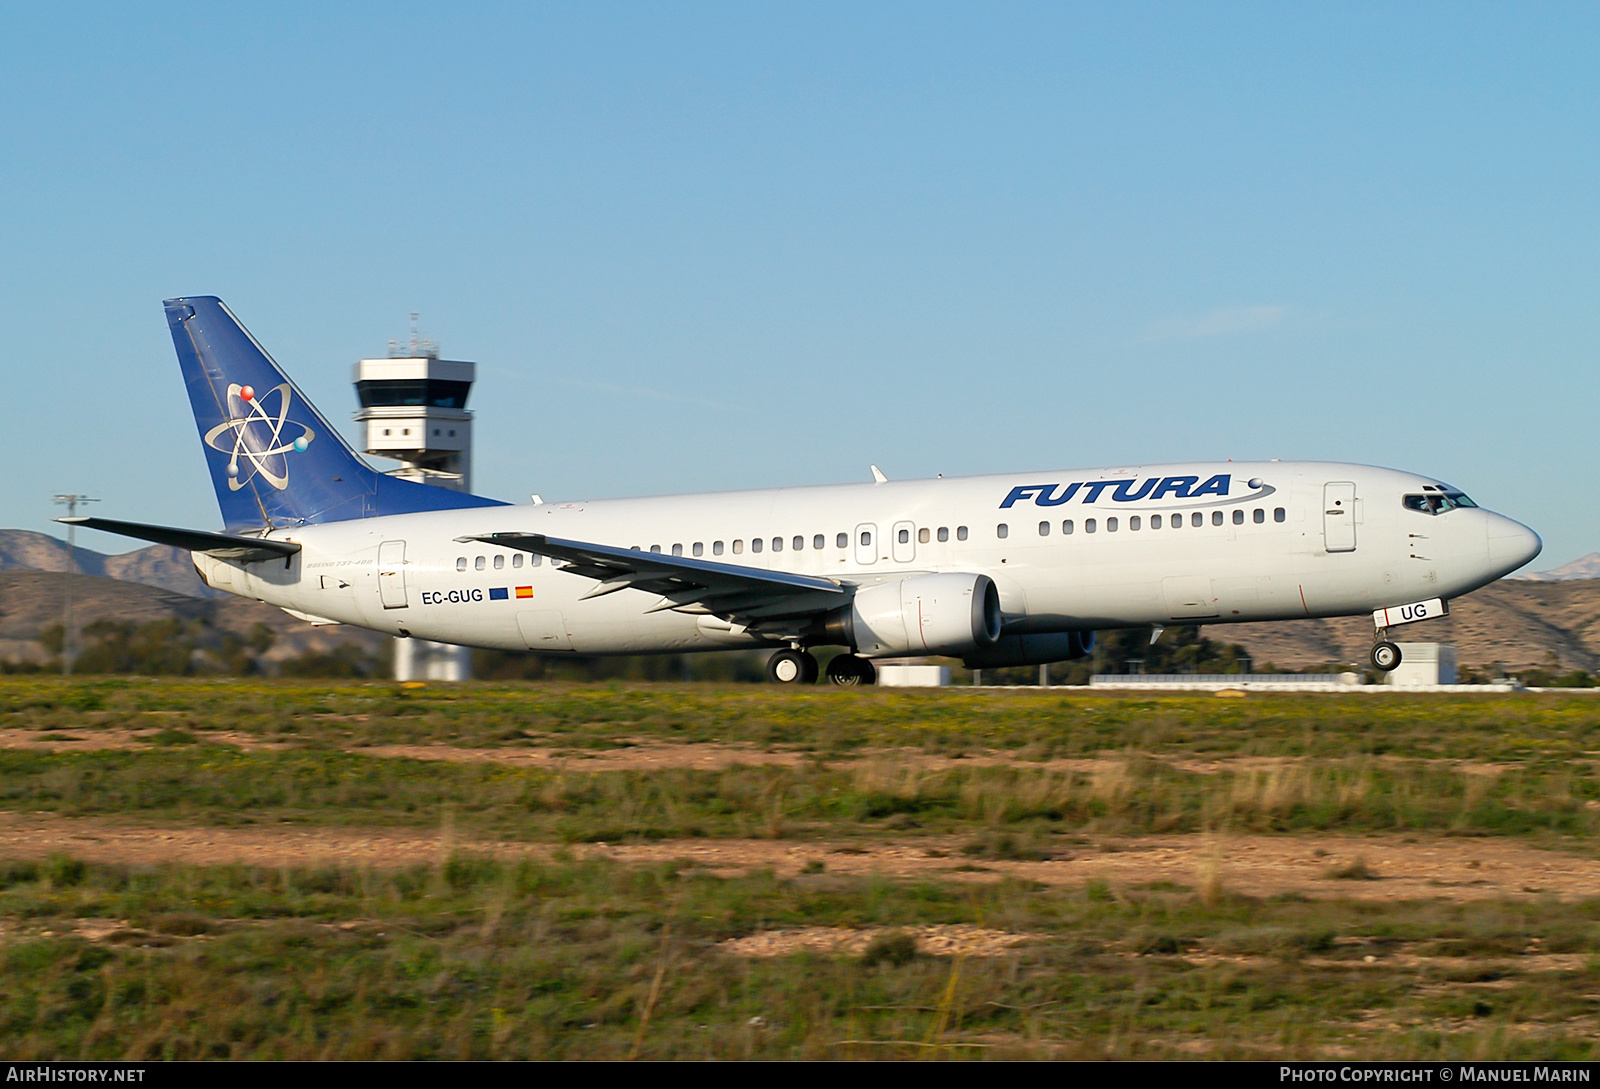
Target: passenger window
x,y
1216,517
461,563
798,543
1111,525
1088,525
499,563
922,536
1002,531
655,548
677,550
961,533
516,561
1044,529
777,544
478,564
1066,528
944,534
1259,516
756,544
1279,514
1176,521
842,541
866,537
535,560
716,548
699,548
1197,519
905,536
1238,517
1133,524
1155,521
738,547
819,542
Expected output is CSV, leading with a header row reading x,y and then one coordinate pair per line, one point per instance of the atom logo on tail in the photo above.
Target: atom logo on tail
x,y
253,438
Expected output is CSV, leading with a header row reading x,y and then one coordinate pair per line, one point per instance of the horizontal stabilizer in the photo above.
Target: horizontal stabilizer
x,y
222,545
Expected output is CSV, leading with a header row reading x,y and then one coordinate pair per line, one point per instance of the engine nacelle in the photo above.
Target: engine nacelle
x,y
954,614
1019,650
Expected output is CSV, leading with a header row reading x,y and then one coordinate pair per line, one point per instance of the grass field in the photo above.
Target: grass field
x,y
687,872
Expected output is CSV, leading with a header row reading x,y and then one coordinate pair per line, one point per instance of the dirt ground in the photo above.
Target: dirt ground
x,y
1373,868
1395,867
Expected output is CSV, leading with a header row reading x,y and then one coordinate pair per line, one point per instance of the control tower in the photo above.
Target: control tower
x,y
414,410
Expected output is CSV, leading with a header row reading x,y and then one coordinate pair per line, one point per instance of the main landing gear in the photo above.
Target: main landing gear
x,y
792,667
850,670
797,666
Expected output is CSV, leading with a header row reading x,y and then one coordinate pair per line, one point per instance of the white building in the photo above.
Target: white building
x,y
414,410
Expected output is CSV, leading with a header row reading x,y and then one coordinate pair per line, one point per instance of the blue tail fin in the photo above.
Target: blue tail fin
x,y
275,462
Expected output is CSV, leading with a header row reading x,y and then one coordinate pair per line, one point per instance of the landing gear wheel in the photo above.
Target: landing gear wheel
x,y
1386,656
849,670
792,667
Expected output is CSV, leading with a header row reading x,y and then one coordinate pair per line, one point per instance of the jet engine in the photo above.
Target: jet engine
x,y
952,614
1019,650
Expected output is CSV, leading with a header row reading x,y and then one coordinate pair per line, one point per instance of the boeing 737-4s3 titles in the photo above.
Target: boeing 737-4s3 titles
x,y
999,570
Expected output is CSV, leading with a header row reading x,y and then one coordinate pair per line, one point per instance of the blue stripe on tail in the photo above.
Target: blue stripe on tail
x,y
275,461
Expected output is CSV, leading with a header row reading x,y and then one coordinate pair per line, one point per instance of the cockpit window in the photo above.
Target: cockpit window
x,y
1438,501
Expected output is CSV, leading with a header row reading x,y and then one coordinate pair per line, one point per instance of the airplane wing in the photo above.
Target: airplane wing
x,y
222,545
745,595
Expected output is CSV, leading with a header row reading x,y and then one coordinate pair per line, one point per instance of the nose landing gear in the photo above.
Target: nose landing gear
x,y
1385,655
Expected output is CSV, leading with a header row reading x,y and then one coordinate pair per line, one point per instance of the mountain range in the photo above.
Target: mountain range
x,y
1549,619
155,583
1588,567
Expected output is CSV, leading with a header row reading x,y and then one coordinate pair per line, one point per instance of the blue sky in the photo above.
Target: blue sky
x,y
699,246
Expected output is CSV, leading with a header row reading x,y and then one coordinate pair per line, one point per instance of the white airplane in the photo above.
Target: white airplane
x,y
1018,569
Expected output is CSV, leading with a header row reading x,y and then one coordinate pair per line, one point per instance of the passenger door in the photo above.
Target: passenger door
x,y
1339,516
392,574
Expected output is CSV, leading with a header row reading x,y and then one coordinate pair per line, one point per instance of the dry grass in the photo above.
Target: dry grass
x,y
472,957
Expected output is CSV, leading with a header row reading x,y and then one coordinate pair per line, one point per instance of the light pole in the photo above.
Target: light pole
x,y
71,502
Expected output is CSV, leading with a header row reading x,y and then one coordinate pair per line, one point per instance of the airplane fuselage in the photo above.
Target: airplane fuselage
x,y
1069,550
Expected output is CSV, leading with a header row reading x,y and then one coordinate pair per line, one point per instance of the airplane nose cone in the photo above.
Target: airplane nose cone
x,y
1511,544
